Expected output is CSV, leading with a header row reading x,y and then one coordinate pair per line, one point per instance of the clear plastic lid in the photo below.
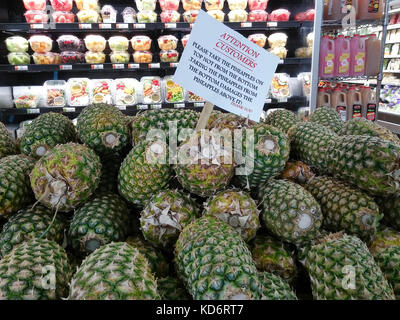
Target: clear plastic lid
x,y
70,43
88,16
258,4
310,39
191,4
78,92
101,91
129,15
151,87
169,56
126,92
62,5
26,101
141,43
109,14
217,14
258,16
237,4
95,57
169,5
120,57
87,4
214,4
279,15
72,57
237,16
280,52
258,38
146,16
63,17
280,88
17,44
18,58
34,16
173,92
191,97
35,5
118,43
190,16
304,52
146,5
54,93
142,57
167,42
170,16
95,43
46,58
41,44
277,39
185,39
305,78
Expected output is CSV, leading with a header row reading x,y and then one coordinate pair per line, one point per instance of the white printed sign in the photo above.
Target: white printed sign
x,y
225,68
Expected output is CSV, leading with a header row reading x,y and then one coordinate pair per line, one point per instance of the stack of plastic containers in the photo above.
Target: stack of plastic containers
x,y
42,46
109,14
18,47
191,8
119,46
169,11
129,15
214,9
96,45
277,42
146,12
238,11
71,49
258,38
62,11
141,45
306,52
36,11
167,45
185,40
88,11
258,11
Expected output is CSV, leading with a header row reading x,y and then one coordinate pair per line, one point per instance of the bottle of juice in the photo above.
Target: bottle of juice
x,y
370,9
338,9
339,102
373,47
327,58
357,54
324,98
342,56
354,103
368,97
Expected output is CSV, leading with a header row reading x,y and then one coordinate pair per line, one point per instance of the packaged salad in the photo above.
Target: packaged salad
x,y
151,89
305,78
95,43
54,93
41,44
217,14
62,5
72,57
87,5
46,58
258,38
109,14
169,56
35,5
101,91
277,39
258,16
63,17
146,16
129,15
190,16
26,101
167,42
191,4
191,97
125,91
280,88
18,58
214,4
88,16
70,43
78,92
169,5
142,57
141,43
258,4
237,4
95,57
237,16
173,92
17,44
146,5
120,57
34,16
170,16
118,43
185,39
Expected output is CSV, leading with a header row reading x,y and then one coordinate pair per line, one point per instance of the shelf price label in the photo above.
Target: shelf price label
x,y
191,25
122,108
122,26
142,106
105,26
65,67
179,105
133,66
154,65
139,26
85,26
68,109
173,64
156,106
246,24
268,101
21,68
118,66
199,104
170,25
272,24
33,111
37,26
282,100
97,67
281,61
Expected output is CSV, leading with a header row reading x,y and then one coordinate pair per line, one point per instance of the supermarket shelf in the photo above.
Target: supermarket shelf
x,y
392,57
335,24
351,79
362,82
389,71
392,42
393,26
394,11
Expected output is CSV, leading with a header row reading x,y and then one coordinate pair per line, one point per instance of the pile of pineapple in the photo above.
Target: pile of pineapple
x,y
108,209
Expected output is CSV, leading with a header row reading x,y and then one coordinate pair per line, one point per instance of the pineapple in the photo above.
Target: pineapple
x,y
364,127
171,288
344,207
164,217
215,263
15,192
35,270
103,128
101,220
327,117
385,249
232,122
144,172
289,211
31,223
275,288
390,207
215,115
271,255
158,264
297,172
66,176
7,144
341,268
269,151
237,209
45,132
115,271
282,119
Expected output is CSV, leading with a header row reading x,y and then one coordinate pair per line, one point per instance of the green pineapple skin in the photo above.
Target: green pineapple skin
x,y
231,122
215,263
290,212
165,215
101,220
31,223
97,123
282,119
8,146
171,288
71,165
27,272
15,191
45,132
275,288
345,207
97,279
236,208
139,179
390,207
328,117
331,263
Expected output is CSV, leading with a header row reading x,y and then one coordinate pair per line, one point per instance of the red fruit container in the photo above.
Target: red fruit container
x,y
62,5
63,17
279,15
71,57
39,5
169,5
34,16
258,4
257,16
170,16
169,56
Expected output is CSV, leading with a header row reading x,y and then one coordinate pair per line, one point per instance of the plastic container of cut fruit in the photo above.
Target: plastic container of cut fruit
x,y
310,39
46,58
173,92
141,43
303,52
146,16
142,57
259,39
190,16
191,97
151,89
191,4
169,5
305,79
170,16
72,57
126,92
120,57
95,57
146,5
109,14
18,58
63,17
258,16
95,43
129,15
277,39
35,5
214,4
237,4
54,93
258,4
87,5
34,16
185,39
217,14
78,92
70,43
279,15
237,16
101,91
26,101
118,43
280,87
169,56
41,44
62,5
280,52
17,44
167,42
88,16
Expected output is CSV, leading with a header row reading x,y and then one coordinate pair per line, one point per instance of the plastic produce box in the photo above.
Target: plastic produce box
x,y
101,91
191,4
142,57
185,39
17,44
129,15
95,57
237,16
217,14
169,5
258,38
88,16
173,92
141,43
190,16
34,16
237,4
63,17
214,4
95,43
70,43
170,16
258,16
151,89
78,92
26,101
280,86
109,14
62,5
169,56
87,5
126,92
146,16
167,42
146,5
118,43
18,58
39,5
258,4
46,58
72,57
41,44
120,57
277,39
54,93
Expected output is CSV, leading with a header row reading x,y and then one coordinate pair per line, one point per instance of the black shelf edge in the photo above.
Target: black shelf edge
x,y
338,23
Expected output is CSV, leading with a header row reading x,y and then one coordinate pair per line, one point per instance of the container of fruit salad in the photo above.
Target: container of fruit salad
x,y
78,92
41,44
258,38
146,16
151,89
146,5
310,39
72,57
278,39
17,44
46,58
217,14
191,97
125,92
118,43
170,16
279,15
237,16
169,5
34,16
280,52
129,15
305,78
54,93
185,39
169,56
120,57
237,4
26,101
95,43
257,16
190,16
35,5
280,88
214,4
88,16
304,52
70,43
95,57
62,5
258,4
18,58
191,4
167,42
63,17
87,5
173,92
101,91
109,14
142,57
141,43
